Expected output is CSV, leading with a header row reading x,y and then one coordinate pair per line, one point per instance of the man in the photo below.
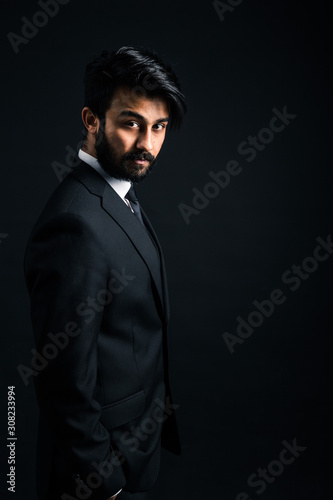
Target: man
x,y
99,305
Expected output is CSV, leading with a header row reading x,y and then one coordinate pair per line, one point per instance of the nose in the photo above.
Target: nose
x,y
144,141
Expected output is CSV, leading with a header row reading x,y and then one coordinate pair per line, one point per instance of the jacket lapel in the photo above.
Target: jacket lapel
x,y
163,269
129,223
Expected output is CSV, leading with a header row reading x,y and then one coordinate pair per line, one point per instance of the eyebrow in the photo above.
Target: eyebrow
x,y
134,114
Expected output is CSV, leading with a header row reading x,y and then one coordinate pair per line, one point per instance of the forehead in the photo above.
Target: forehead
x,y
149,107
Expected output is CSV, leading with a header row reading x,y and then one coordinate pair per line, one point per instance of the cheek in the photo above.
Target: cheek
x,y
123,142
116,141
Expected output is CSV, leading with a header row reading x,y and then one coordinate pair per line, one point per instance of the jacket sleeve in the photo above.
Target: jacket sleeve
x,y
65,268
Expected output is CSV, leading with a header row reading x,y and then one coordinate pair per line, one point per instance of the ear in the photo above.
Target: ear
x,y
91,122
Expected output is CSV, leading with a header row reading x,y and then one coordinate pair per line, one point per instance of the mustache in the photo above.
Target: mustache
x,y
139,156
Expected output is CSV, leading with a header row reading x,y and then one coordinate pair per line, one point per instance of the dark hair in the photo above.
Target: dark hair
x,y
138,69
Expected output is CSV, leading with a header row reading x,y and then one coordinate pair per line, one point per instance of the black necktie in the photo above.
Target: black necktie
x,y
131,196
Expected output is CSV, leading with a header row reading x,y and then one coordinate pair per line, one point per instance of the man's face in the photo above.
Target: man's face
x,y
131,137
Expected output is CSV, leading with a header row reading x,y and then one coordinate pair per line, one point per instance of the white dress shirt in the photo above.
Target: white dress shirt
x,y
121,187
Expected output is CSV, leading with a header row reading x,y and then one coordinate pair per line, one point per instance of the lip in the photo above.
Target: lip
x,y
140,162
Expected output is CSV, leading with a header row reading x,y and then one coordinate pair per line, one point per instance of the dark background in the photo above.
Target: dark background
x,y
236,408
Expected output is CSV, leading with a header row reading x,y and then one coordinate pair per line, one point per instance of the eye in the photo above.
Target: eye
x,y
160,126
132,124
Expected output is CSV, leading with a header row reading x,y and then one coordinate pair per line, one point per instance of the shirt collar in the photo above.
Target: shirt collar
x,y
120,186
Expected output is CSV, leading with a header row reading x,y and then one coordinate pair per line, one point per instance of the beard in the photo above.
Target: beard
x,y
121,167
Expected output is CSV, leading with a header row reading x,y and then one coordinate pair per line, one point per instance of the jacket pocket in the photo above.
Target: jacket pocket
x,y
123,411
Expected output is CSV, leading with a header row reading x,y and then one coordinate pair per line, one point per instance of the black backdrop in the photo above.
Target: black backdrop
x,y
247,396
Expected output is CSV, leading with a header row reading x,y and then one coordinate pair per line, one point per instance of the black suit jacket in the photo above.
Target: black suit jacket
x,y
99,308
